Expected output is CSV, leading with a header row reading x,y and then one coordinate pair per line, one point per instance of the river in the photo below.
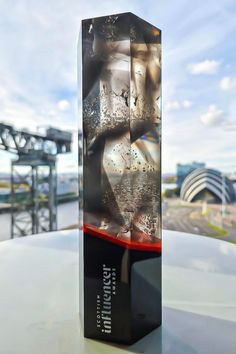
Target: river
x,y
67,214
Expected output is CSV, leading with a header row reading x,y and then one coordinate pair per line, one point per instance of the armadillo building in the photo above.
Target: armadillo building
x,y
209,185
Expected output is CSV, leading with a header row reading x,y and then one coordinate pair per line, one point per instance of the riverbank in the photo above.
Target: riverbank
x,y
61,199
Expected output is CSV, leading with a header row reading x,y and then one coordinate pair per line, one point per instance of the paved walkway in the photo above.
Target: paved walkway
x,y
189,218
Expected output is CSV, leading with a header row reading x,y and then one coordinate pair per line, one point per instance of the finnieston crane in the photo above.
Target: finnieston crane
x,y
33,177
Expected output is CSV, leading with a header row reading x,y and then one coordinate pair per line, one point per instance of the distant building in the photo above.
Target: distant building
x,y
209,185
184,169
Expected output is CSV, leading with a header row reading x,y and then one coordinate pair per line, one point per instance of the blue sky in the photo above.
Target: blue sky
x,y
38,73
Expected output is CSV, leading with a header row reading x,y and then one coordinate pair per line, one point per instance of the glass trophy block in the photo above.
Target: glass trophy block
x,y
121,88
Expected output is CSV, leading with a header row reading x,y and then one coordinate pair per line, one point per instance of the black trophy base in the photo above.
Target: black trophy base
x,y
122,291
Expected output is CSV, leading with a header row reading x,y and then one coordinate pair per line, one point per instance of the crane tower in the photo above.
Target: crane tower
x,y
33,177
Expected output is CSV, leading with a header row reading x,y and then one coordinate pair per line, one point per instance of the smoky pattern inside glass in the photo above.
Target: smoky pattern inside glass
x,y
121,126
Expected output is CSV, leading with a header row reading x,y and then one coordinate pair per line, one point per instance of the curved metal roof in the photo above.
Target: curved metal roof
x,y
207,179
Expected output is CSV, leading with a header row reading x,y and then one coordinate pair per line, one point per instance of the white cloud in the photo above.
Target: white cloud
x,y
187,104
38,63
188,140
214,116
3,93
230,126
63,105
173,105
177,105
228,83
204,67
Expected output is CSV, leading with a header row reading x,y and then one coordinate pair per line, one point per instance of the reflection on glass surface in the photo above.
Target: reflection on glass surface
x,y
121,115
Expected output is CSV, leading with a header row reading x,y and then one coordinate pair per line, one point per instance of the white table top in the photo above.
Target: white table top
x,y
39,298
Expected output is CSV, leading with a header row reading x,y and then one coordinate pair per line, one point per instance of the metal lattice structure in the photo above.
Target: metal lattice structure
x,y
22,142
33,177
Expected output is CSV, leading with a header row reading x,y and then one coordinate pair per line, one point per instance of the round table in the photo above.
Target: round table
x,y
39,298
